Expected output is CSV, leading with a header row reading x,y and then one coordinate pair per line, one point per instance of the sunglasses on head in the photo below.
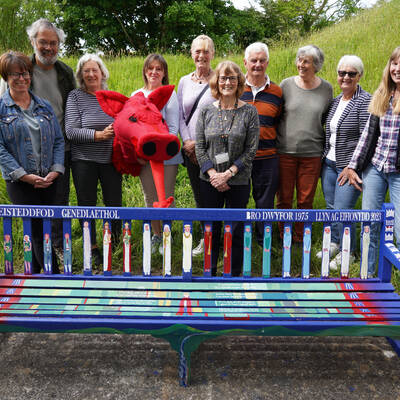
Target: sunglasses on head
x,y
351,74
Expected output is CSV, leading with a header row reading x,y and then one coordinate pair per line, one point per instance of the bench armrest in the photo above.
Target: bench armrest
x,y
392,253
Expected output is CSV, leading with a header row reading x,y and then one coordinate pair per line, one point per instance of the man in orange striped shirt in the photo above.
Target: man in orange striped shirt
x,y
266,96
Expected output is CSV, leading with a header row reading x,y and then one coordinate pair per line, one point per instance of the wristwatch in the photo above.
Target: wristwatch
x,y
232,172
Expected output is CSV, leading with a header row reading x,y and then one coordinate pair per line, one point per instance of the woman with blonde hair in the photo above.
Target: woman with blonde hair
x,y
377,153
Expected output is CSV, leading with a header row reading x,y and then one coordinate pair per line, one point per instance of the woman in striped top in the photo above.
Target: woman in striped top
x,y
347,116
91,134
377,153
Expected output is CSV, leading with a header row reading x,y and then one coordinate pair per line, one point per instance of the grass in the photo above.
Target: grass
x,y
371,35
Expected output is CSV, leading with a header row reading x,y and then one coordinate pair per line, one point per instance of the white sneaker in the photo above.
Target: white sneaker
x,y
334,248
337,261
199,250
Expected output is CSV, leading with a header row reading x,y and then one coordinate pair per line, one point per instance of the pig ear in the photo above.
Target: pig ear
x,y
111,102
161,95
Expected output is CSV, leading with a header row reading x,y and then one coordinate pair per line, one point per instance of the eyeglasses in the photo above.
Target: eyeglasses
x,y
45,43
224,79
17,75
351,74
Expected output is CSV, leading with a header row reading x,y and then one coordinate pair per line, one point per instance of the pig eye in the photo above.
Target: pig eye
x,y
133,118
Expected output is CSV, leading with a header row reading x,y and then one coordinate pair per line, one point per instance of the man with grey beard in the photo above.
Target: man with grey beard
x,y
52,80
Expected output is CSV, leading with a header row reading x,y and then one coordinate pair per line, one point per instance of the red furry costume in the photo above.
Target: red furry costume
x,y
141,132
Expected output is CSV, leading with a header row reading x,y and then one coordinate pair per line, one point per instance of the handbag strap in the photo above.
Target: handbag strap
x,y
195,104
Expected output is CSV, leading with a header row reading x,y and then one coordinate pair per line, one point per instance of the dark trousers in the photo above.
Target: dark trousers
x,y
22,193
193,171
265,182
61,199
236,197
86,175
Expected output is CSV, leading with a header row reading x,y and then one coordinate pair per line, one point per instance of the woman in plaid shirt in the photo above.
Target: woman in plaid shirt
x,y
377,153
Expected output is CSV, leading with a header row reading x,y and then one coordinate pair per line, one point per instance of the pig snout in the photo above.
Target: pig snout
x,y
158,147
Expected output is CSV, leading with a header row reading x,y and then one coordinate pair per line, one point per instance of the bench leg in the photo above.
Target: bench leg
x,y
395,343
188,345
185,342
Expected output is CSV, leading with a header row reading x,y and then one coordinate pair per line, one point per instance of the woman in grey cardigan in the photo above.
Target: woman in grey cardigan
x,y
300,136
227,133
347,116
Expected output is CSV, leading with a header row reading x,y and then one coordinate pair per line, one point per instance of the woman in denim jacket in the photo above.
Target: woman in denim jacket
x,y
31,146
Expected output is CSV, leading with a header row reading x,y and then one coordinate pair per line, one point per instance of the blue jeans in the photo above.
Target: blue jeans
x,y
375,185
338,198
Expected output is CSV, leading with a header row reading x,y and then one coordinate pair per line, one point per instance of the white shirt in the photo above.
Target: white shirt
x,y
333,127
256,89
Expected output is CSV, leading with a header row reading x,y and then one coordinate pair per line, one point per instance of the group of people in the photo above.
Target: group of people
x,y
240,133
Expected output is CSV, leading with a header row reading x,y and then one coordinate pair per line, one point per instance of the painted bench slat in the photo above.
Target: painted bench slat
x,y
226,286
282,296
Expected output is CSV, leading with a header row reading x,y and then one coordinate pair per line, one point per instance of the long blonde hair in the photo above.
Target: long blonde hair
x,y
380,100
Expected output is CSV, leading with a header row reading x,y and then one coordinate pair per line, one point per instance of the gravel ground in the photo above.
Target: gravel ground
x,y
86,367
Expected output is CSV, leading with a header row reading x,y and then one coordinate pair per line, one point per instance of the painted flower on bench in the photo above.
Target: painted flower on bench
x,y
141,134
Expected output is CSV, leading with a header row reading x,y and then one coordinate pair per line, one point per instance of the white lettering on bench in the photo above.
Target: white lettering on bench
x,y
89,213
320,216
26,212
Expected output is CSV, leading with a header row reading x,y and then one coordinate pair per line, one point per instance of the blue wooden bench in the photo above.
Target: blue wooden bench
x,y
187,309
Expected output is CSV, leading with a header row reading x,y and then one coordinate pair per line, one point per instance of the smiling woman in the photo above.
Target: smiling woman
x,y
155,75
377,153
227,134
31,148
300,136
347,116
91,133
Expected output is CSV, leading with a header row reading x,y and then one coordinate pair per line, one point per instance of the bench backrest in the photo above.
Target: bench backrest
x,y
131,217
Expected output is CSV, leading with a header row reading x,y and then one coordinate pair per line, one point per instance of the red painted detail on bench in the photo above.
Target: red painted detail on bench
x,y
185,306
246,318
207,249
227,250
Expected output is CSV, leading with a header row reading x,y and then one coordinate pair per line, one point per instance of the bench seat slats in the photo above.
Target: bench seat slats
x,y
342,286
194,296
201,303
264,316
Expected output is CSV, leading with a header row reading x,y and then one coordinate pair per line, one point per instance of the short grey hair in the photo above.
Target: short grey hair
x,y
315,52
353,61
43,23
79,73
256,48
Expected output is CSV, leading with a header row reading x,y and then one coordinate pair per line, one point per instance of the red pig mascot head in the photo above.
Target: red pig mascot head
x,y
141,132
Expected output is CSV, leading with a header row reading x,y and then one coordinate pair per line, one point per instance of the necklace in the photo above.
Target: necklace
x,y
200,80
225,133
